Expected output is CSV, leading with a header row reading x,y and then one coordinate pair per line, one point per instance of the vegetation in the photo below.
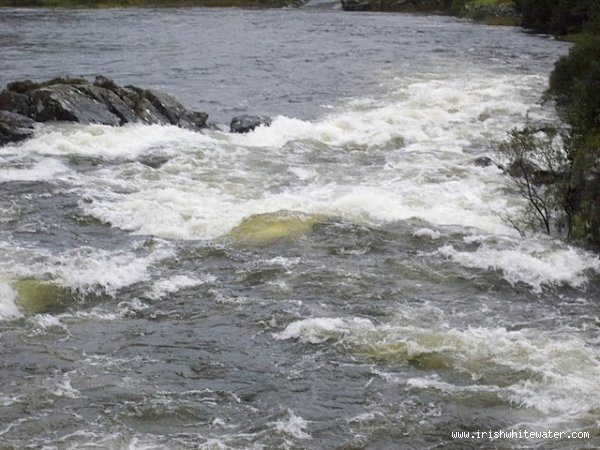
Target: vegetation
x,y
142,3
559,17
573,195
496,12
575,87
491,12
539,167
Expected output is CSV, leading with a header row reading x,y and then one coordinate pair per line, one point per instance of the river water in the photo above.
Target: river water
x,y
343,279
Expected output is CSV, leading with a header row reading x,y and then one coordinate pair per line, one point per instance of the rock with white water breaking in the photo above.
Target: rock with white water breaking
x,y
14,127
99,102
65,102
264,229
246,123
38,296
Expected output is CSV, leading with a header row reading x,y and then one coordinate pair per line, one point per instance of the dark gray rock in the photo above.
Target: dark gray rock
x,y
482,161
15,102
154,161
166,105
356,5
193,120
63,102
101,101
113,102
14,127
246,123
149,114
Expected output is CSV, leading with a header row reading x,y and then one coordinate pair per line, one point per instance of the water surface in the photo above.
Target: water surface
x,y
341,279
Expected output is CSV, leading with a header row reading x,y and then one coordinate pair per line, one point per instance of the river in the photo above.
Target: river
x,y
342,279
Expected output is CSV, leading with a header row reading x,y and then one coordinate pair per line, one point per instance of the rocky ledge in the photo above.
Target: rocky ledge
x,y
102,101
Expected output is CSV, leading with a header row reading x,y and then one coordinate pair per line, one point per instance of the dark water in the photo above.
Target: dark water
x,y
276,62
343,279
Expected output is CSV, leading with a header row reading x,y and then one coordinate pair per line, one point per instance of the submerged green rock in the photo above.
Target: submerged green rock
x,y
264,229
39,296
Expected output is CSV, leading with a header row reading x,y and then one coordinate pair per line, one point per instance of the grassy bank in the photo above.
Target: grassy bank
x,y
143,3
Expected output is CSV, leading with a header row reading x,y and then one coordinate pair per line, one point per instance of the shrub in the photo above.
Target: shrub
x,y
575,86
557,16
538,166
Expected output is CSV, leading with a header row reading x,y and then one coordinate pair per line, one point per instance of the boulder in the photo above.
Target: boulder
x,y
193,120
149,114
112,100
40,297
14,127
166,105
264,229
482,161
63,102
15,102
101,101
246,123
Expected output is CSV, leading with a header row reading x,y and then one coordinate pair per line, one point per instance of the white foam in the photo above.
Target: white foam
x,y
8,308
85,268
292,425
166,286
64,388
535,263
46,169
415,137
107,142
318,330
112,271
428,233
558,371
45,321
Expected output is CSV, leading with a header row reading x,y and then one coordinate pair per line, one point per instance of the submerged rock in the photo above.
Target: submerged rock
x,y
37,296
246,123
86,102
154,161
482,161
264,229
14,127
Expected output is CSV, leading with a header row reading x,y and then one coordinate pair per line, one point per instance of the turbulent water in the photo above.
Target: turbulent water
x,y
342,279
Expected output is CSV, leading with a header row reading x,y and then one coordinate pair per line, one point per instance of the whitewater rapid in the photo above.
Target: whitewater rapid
x,y
343,277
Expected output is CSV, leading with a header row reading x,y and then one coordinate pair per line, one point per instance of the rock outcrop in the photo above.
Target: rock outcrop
x,y
14,127
246,123
77,100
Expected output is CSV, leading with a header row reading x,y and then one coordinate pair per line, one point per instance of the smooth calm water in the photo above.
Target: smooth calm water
x,y
340,280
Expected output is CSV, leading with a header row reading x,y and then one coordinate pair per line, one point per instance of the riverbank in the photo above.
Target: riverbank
x,y
491,12
77,4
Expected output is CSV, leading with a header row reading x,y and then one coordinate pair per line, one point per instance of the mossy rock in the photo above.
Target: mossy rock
x,y
39,296
267,228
